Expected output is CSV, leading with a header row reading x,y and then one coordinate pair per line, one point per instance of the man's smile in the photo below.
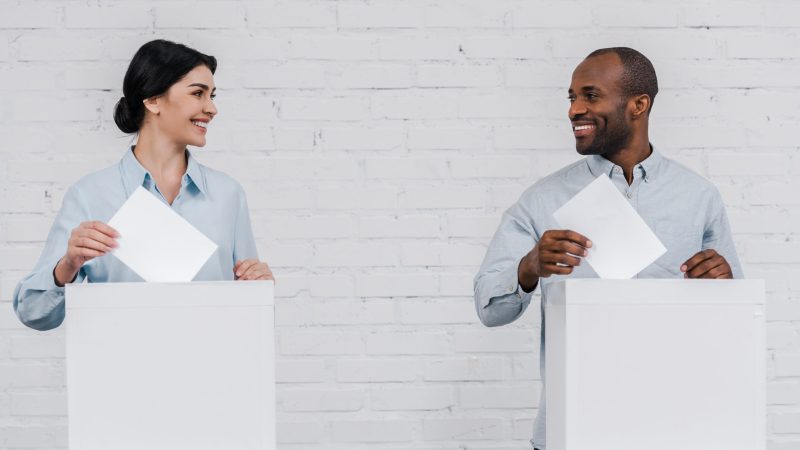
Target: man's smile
x,y
583,129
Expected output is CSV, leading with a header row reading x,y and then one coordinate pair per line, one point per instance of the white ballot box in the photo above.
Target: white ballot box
x,y
655,365
171,366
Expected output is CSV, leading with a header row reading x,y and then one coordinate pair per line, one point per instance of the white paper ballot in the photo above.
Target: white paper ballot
x,y
622,243
156,242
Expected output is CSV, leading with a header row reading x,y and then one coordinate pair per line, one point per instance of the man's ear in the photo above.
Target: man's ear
x,y
151,104
641,106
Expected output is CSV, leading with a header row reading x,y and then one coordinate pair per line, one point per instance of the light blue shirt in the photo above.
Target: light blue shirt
x,y
210,200
683,209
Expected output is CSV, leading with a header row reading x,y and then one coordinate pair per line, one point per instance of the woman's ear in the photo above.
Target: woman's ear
x,y
151,104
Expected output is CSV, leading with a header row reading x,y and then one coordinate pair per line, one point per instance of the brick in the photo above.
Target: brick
x,y
733,14
31,229
336,399
203,15
376,430
397,285
436,312
457,75
442,48
499,106
467,429
406,168
287,255
362,138
785,422
456,284
300,370
490,167
783,392
341,109
39,404
287,75
436,254
534,15
289,15
505,47
108,16
724,163
80,107
780,14
472,226
764,45
472,138
320,343
414,105
375,370
377,15
27,436
299,432
490,368
524,396
526,368
370,76
18,258
637,15
494,340
787,364
468,14
443,197
59,48
399,226
28,16
30,76
332,48
413,398
356,198
419,343
350,313
320,226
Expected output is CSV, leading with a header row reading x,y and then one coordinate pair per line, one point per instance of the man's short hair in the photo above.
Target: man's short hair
x,y
638,74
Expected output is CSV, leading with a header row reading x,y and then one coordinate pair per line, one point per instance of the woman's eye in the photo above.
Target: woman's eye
x,y
213,96
198,94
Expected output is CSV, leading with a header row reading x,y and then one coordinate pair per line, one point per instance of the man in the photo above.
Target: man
x,y
611,95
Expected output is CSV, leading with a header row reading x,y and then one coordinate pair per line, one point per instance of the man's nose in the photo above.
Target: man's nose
x,y
576,108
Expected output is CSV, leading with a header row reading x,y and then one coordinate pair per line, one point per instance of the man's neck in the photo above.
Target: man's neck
x,y
628,157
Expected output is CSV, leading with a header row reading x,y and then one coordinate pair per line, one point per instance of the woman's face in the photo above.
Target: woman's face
x,y
186,109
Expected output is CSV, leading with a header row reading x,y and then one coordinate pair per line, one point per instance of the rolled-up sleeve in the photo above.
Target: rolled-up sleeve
x,y
244,244
498,297
717,234
38,302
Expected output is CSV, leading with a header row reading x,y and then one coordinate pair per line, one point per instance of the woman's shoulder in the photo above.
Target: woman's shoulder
x,y
220,182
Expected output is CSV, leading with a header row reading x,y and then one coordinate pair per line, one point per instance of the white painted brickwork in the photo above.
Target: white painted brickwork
x,y
379,142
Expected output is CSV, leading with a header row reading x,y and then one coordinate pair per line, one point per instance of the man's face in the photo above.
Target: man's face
x,y
597,106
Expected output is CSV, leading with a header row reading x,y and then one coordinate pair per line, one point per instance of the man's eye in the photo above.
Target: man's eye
x,y
591,96
571,98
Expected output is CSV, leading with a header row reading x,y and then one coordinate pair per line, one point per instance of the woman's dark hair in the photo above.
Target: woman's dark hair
x,y
155,67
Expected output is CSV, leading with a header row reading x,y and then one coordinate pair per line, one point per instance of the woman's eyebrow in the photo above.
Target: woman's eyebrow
x,y
202,86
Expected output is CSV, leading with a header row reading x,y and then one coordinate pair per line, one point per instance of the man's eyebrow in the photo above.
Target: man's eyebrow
x,y
202,86
590,88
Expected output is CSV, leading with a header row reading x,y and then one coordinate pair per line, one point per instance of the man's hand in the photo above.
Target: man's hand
x,y
87,241
557,252
252,269
706,264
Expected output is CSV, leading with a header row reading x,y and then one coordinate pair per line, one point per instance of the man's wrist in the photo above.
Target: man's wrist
x,y
526,280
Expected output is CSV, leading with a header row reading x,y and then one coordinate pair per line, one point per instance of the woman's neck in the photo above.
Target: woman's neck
x,y
164,159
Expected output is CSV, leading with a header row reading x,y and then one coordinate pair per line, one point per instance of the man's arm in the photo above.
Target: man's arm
x,y
718,258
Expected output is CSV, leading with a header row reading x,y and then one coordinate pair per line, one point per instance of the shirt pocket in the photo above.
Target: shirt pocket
x,y
682,242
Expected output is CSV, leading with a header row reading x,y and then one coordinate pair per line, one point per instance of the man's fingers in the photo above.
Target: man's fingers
x,y
553,269
571,248
700,270
576,237
698,258
561,258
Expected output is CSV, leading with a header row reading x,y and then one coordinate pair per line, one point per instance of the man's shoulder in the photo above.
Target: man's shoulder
x,y
676,171
563,179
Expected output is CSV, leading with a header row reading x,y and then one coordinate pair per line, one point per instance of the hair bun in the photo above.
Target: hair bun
x,y
124,117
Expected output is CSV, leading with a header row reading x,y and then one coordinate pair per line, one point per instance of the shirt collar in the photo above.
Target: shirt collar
x,y
135,175
599,165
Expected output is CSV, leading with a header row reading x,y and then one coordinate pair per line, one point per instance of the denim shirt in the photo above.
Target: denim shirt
x,y
684,210
211,201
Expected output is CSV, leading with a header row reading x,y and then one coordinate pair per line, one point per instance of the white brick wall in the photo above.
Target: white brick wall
x,y
379,142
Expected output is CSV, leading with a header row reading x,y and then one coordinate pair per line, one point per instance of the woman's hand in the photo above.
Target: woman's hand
x,y
88,241
252,269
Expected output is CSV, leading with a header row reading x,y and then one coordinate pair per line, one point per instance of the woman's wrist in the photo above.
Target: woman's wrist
x,y
63,273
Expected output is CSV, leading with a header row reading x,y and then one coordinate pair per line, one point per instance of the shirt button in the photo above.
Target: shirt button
x,y
510,289
617,170
630,194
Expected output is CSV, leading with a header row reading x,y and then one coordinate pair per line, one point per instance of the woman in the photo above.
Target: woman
x,y
169,93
